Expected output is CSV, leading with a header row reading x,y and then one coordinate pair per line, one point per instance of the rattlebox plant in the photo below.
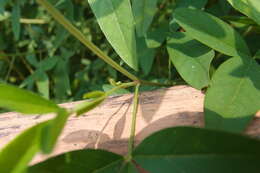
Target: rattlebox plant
x,y
212,45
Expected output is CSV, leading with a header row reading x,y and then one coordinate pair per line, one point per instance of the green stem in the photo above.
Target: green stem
x,y
123,85
81,37
87,106
133,125
144,82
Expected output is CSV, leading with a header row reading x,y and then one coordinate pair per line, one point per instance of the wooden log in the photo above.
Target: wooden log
x,y
108,125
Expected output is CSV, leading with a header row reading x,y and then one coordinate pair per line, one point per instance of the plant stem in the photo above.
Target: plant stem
x,y
81,37
123,85
88,105
133,125
144,82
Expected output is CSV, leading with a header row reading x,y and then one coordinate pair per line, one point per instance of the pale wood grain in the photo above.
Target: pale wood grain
x,y
108,125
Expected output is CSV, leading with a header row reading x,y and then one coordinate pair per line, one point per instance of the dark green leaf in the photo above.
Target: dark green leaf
x,y
51,132
117,23
118,167
61,80
211,31
191,59
190,3
156,37
233,96
143,11
145,55
251,8
2,6
81,161
15,18
220,8
16,155
24,101
195,150
48,63
257,55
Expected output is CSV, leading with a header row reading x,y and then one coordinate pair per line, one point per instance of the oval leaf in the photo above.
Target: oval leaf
x,y
23,101
80,161
233,96
117,23
195,150
251,8
211,31
15,157
143,11
191,59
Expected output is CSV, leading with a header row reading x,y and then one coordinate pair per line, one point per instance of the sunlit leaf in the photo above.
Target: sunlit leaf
x,y
16,155
51,132
251,8
233,96
211,31
117,23
144,11
23,101
191,59
195,150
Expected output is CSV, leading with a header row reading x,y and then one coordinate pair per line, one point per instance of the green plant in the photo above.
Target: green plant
x,y
193,37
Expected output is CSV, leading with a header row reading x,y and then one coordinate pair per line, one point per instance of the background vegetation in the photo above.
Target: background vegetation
x,y
38,54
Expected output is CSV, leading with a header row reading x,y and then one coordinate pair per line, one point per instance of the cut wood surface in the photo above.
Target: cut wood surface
x,y
108,125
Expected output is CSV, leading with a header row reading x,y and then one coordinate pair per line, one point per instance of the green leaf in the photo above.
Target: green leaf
x,y
61,80
257,55
145,55
120,91
195,150
51,132
80,161
233,96
250,8
93,94
16,155
48,63
191,59
2,6
211,31
144,11
88,105
42,83
190,3
118,167
24,101
156,37
15,19
117,23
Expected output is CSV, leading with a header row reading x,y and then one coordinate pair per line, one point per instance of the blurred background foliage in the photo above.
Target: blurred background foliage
x,y
38,54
